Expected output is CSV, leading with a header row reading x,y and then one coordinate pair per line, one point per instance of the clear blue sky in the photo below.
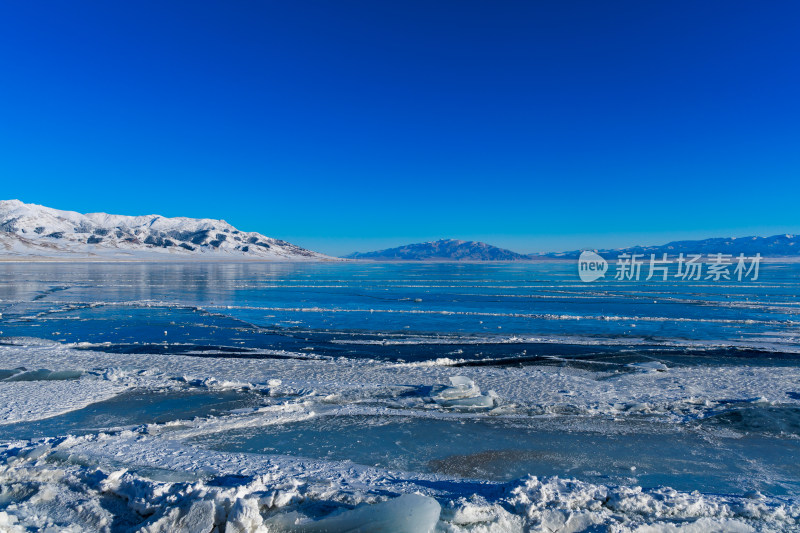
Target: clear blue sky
x,y
345,125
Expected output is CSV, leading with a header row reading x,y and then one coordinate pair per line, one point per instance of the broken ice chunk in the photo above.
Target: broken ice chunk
x,y
461,387
483,401
650,366
463,393
461,381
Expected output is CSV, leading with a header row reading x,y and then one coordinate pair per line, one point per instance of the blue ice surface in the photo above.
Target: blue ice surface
x,y
350,309
542,314
135,408
601,451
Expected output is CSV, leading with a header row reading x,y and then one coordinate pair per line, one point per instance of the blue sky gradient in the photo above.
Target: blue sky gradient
x,y
344,125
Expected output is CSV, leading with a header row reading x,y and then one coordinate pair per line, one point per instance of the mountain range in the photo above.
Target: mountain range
x,y
34,231
775,246
454,250
29,231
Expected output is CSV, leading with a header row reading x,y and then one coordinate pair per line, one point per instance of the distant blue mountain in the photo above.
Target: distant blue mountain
x,y
455,250
443,250
775,246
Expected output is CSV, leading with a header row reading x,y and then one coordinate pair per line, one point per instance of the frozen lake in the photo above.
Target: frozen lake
x,y
341,372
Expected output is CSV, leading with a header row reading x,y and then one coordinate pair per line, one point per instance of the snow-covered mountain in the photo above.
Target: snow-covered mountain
x,y
778,246
29,231
775,246
442,250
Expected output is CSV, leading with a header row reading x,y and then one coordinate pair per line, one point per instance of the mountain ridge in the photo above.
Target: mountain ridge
x,y
35,231
30,231
784,245
442,250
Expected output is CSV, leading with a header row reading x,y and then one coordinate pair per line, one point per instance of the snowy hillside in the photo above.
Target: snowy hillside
x,y
29,231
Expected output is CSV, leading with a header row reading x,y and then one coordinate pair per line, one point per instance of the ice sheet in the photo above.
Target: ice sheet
x,y
125,477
